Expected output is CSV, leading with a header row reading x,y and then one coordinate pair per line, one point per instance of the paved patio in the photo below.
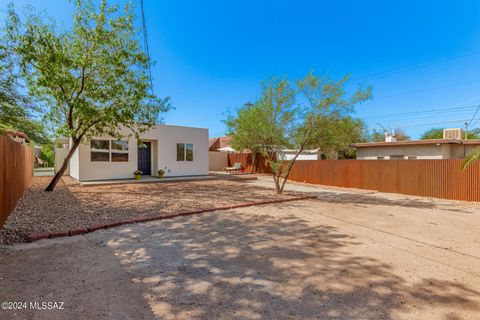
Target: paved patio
x,y
146,179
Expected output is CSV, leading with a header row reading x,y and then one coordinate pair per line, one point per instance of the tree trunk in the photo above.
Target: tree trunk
x,y
276,180
253,161
64,166
290,169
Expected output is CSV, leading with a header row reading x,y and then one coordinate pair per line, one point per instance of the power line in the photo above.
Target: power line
x,y
476,111
408,68
145,46
426,89
427,124
427,111
475,122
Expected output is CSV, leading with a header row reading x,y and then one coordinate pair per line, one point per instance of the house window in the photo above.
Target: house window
x,y
189,152
412,157
119,151
184,152
397,157
180,152
106,150
380,158
100,150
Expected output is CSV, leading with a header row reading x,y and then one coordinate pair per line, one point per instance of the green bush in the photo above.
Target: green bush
x,y
47,154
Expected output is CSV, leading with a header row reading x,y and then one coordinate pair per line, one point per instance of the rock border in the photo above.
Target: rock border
x,y
82,230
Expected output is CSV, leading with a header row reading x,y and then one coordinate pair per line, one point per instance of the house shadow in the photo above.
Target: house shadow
x,y
254,266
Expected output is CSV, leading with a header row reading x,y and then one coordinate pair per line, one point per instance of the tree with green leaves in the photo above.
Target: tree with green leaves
x,y
471,158
92,78
244,131
437,133
16,111
334,135
286,116
433,133
377,136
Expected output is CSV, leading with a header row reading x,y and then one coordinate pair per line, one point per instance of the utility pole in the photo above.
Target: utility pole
x,y
466,131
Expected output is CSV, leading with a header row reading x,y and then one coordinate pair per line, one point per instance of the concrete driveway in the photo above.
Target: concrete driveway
x,y
341,257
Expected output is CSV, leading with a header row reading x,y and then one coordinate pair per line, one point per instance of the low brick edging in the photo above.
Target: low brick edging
x,y
82,230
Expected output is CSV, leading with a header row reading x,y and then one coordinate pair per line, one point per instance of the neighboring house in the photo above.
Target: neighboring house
x,y
220,142
180,151
223,144
451,147
289,154
17,136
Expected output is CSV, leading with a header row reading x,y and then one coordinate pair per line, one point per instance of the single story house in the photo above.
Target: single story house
x,y
179,151
416,149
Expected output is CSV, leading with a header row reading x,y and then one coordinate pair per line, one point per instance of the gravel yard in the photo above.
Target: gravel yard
x,y
72,205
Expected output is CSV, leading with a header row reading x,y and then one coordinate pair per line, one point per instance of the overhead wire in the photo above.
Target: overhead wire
x,y
145,46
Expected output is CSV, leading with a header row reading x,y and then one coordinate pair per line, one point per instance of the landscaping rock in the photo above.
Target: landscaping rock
x,y
71,206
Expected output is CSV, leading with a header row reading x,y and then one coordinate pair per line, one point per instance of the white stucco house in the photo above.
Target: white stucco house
x,y
179,151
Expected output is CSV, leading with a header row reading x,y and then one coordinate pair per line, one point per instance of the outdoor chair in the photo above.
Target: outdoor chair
x,y
237,166
40,162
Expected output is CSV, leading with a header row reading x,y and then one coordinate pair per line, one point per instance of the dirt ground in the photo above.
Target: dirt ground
x,y
70,205
353,258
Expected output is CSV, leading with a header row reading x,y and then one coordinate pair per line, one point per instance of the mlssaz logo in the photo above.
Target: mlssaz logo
x,y
47,305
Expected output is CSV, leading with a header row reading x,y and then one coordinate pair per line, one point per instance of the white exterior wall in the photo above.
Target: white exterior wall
x,y
289,155
164,139
75,166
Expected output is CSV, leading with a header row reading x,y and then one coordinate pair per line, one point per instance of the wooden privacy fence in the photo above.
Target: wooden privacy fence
x,y
430,178
261,164
16,171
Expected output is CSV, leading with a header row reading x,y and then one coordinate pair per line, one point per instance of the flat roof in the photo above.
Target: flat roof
x,y
416,142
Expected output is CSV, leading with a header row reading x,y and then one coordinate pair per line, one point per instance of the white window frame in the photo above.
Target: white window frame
x,y
107,151
184,152
112,151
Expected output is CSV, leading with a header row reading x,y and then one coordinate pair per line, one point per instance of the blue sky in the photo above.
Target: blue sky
x,y
213,55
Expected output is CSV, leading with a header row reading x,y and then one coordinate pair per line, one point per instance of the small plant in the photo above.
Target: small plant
x,y
161,172
137,174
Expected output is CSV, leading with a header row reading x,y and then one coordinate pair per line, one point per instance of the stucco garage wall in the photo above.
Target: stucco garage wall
x,y
420,151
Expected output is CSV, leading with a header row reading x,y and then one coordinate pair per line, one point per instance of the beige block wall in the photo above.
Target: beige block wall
x,y
217,160
60,155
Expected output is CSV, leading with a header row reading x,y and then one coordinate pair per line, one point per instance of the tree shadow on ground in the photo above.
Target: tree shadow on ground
x,y
365,199
265,267
360,197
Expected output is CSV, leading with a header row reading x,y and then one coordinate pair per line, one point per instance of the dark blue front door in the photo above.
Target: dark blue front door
x,y
144,158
